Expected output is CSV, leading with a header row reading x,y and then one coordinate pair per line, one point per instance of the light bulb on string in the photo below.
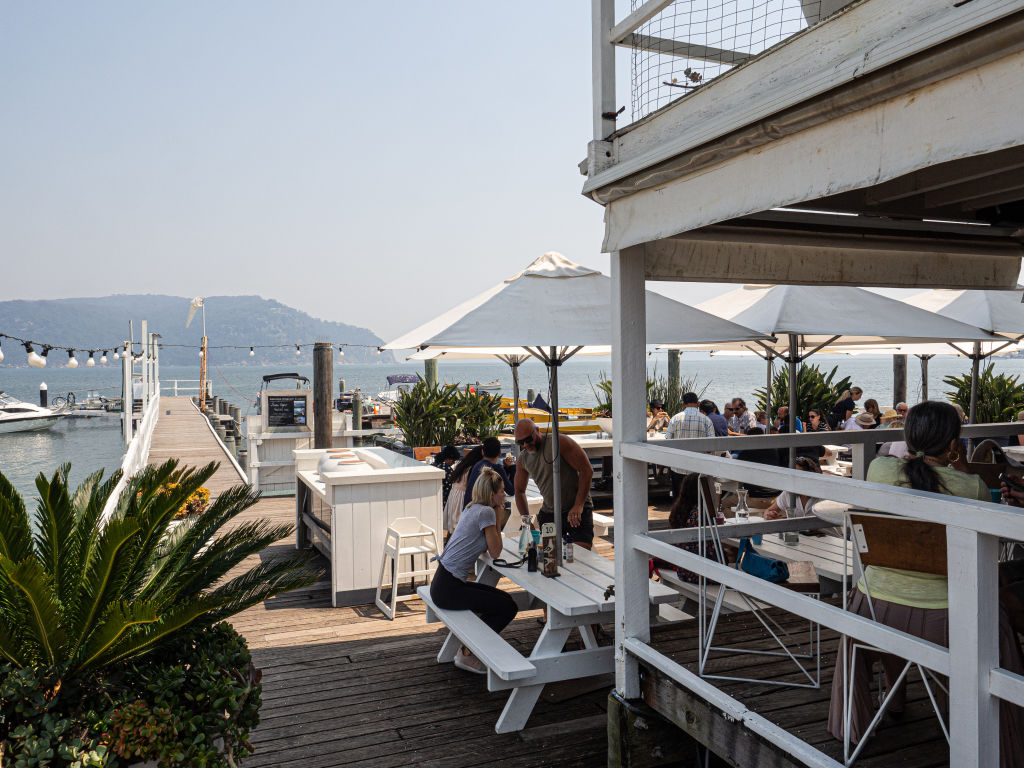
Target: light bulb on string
x,y
103,359
378,351
341,351
117,355
252,352
298,350
33,358
72,362
91,362
200,353
46,351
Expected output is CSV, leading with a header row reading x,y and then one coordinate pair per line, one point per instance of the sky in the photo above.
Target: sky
x,y
368,163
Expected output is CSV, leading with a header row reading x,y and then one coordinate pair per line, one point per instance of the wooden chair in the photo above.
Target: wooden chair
x,y
425,452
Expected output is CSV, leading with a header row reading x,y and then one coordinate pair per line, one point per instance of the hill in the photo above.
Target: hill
x,y
231,321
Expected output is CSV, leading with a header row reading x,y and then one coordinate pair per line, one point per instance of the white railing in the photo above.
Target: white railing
x,y
976,682
178,387
136,456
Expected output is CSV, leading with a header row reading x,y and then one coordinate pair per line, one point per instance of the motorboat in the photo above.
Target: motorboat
x,y
19,416
490,386
398,383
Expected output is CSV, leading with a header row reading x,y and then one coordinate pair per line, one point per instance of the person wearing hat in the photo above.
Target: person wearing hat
x,y
445,459
862,420
888,417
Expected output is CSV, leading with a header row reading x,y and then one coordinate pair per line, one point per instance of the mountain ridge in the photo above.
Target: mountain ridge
x,y
231,321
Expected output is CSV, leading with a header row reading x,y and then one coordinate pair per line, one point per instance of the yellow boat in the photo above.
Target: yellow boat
x,y
571,420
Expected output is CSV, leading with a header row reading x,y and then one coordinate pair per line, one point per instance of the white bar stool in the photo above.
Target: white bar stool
x,y
423,541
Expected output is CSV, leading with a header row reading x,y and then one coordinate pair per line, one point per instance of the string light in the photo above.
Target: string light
x,y
103,360
91,362
341,351
34,359
72,362
46,351
252,352
298,350
116,355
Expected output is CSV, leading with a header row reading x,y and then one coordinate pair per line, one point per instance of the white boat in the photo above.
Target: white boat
x,y
491,386
19,416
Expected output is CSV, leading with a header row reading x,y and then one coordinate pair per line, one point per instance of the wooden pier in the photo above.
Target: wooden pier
x,y
346,687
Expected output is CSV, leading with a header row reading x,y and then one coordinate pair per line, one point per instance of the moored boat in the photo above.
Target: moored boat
x,y
19,416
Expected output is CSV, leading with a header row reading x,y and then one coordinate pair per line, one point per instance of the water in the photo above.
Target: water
x,y
91,444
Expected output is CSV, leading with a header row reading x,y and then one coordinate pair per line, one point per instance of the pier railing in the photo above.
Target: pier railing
x,y
973,529
176,387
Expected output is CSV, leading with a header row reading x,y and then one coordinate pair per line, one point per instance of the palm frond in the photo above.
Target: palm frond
x,y
56,525
263,582
15,528
35,592
118,620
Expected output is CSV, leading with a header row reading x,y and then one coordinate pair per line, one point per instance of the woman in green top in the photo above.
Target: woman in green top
x,y
917,602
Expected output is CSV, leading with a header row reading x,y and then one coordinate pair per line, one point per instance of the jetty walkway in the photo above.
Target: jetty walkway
x,y
346,687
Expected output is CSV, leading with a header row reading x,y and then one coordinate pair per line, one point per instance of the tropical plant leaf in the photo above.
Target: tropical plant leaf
x,y
118,621
814,389
34,591
56,525
999,398
262,582
15,529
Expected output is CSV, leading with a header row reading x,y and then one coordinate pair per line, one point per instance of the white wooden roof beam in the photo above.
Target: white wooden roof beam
x,y
637,19
683,49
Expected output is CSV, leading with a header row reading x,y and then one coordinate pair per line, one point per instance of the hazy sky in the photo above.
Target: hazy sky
x,y
369,163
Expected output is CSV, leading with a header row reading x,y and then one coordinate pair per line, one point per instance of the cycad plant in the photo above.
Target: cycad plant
x,y
428,414
814,389
79,593
480,414
1000,396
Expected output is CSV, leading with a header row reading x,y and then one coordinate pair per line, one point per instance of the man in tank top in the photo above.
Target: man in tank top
x,y
536,461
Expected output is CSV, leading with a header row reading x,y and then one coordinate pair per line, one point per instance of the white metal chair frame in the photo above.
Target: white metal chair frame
x,y
707,627
403,528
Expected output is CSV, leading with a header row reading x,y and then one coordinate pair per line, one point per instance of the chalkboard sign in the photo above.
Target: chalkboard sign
x,y
286,410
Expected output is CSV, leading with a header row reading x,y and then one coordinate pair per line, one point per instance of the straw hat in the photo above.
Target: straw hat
x,y
865,419
889,415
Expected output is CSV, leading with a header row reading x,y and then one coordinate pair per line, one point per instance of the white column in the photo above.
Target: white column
x,y
145,366
973,647
127,396
629,393
603,62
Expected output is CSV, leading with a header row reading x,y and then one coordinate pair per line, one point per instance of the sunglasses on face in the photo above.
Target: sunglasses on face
x,y
525,441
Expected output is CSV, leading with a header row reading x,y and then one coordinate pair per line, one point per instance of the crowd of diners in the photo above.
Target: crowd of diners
x,y
931,457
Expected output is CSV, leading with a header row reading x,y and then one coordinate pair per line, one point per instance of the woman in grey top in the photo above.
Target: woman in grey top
x,y
478,531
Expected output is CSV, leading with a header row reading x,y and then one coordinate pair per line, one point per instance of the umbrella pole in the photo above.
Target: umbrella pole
x,y
792,394
768,390
515,403
556,473
975,366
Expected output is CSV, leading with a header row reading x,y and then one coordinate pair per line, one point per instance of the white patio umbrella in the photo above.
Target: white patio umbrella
x,y
806,319
1000,312
553,309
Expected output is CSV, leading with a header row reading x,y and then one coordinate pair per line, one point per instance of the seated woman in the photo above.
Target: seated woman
x,y
684,514
478,531
758,497
917,602
658,417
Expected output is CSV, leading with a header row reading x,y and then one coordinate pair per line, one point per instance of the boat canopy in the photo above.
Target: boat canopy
x,y
403,378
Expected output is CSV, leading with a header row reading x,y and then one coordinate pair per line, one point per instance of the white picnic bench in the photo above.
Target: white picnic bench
x,y
576,599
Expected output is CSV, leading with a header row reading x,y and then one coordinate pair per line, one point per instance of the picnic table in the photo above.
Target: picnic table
x,y
576,599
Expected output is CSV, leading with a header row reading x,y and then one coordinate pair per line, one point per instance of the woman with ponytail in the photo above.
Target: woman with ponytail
x,y
917,602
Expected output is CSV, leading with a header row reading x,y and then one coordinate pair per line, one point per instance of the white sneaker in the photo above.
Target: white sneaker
x,y
470,663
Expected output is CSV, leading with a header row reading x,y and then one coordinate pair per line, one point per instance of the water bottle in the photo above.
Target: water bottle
x,y
531,558
567,555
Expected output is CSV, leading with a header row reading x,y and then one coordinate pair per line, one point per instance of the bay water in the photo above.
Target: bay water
x,y
95,443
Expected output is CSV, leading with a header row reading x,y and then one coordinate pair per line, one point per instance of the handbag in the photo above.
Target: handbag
x,y
755,564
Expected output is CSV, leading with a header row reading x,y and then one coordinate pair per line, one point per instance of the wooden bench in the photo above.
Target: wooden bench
x,y
487,645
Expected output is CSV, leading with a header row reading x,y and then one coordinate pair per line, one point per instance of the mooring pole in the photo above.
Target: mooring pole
x,y
323,386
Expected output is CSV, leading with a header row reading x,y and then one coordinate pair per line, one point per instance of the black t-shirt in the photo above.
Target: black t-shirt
x,y
838,414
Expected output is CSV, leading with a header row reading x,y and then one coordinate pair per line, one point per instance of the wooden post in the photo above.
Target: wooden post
x,y
673,369
629,393
899,379
357,416
430,371
638,737
323,380
975,370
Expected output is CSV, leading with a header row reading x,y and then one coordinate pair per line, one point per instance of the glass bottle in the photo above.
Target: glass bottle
x,y
741,510
525,534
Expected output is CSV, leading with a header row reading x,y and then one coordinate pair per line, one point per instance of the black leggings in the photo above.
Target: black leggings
x,y
494,606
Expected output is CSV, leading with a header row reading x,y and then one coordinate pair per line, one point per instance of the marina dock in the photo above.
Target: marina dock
x,y
346,687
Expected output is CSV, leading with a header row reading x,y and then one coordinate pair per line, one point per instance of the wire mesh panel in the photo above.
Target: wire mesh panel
x,y
693,41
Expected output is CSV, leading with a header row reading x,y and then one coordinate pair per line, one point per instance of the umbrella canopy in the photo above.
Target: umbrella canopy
x,y
553,309
998,311
555,302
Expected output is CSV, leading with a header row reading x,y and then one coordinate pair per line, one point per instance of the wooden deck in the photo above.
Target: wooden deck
x,y
182,432
346,687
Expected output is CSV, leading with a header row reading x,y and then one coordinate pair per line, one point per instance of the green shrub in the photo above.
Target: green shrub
x,y
480,415
658,388
427,414
1000,396
814,390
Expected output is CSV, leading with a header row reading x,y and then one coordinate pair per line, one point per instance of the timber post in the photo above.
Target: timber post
x,y
323,380
638,737
430,371
899,379
673,369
